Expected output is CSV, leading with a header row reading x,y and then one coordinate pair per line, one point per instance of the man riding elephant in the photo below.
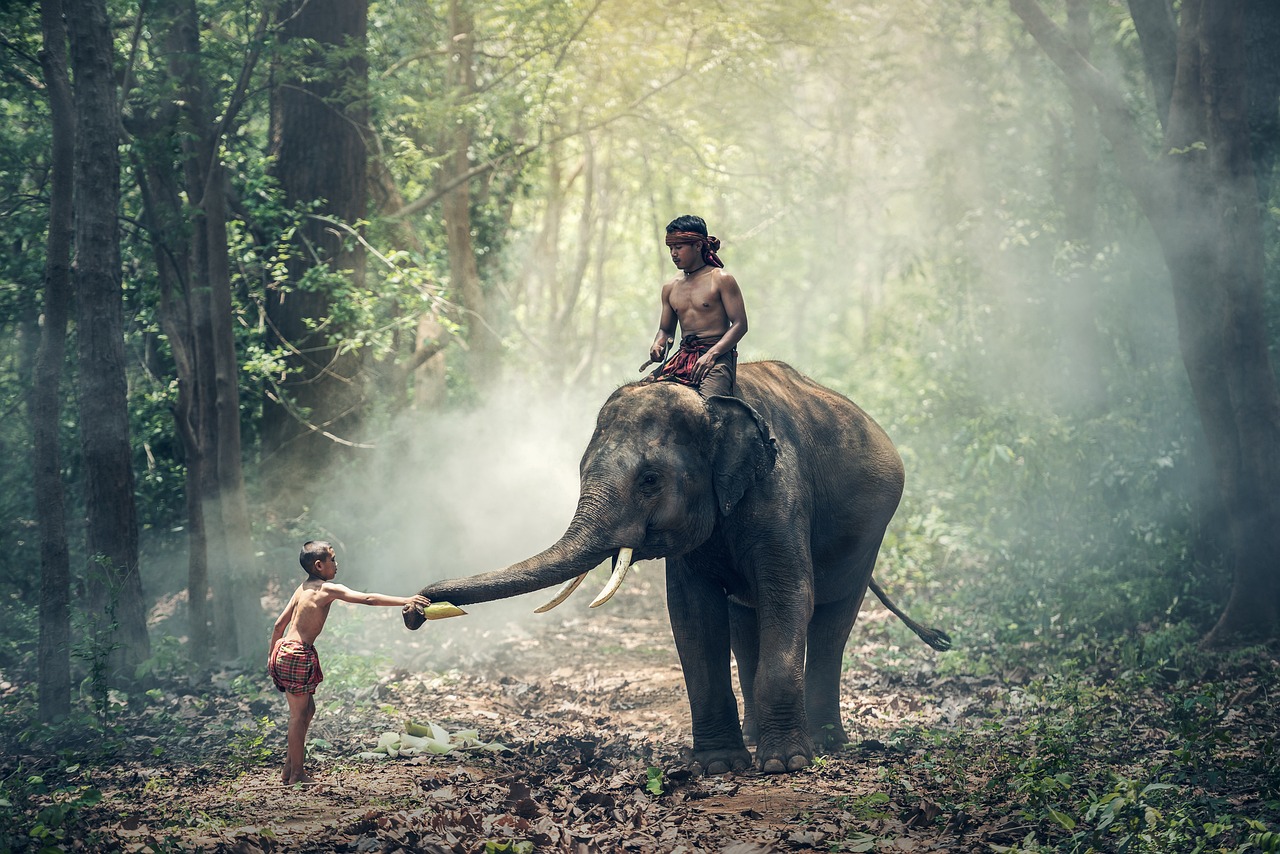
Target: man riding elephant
x,y
708,304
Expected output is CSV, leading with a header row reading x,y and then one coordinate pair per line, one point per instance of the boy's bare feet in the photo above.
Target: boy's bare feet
x,y
303,778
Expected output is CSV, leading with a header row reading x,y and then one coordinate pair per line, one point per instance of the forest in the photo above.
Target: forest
x,y
365,272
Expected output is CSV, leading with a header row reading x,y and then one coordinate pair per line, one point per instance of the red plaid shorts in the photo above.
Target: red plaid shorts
x,y
295,667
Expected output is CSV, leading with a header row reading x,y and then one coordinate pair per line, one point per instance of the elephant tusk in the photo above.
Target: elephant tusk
x,y
565,589
615,581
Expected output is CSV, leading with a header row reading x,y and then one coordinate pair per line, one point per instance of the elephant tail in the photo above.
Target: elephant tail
x,y
936,638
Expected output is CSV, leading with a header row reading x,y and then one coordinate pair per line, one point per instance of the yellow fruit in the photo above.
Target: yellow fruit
x,y
440,610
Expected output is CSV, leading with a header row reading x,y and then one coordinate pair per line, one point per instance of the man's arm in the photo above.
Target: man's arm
x,y
346,594
736,310
666,329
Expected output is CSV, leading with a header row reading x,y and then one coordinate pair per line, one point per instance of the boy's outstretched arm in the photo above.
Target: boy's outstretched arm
x,y
346,594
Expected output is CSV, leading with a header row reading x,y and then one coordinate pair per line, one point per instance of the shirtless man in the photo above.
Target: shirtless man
x,y
708,305
293,664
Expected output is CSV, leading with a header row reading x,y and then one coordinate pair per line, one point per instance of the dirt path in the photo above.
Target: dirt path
x,y
591,707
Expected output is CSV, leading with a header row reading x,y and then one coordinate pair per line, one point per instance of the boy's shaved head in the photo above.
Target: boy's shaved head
x,y
312,551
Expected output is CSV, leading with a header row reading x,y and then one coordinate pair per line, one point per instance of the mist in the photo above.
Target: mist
x,y
458,492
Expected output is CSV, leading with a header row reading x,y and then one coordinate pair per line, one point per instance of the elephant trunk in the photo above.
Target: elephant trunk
x,y
577,552
552,566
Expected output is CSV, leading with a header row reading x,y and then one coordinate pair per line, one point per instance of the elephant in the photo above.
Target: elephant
x,y
769,507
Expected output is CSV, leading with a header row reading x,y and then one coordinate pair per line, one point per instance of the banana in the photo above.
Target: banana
x,y
440,610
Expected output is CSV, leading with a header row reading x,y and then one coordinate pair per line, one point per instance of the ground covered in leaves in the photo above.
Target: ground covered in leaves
x,y
580,718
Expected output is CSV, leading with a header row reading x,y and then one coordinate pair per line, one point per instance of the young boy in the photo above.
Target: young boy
x,y
294,665
709,307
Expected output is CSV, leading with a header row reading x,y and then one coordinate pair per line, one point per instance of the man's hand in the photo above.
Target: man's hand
x,y
703,366
658,352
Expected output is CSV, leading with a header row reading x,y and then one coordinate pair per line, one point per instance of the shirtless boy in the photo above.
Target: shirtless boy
x,y
294,665
707,303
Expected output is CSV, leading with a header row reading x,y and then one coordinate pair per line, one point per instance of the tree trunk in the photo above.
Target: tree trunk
x,y
1080,303
1217,266
1158,38
319,117
578,272
173,252
244,583
197,316
464,273
1202,201
115,590
55,561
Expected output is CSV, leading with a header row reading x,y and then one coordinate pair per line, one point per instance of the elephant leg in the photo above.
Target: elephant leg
x,y
744,637
784,742
699,611
828,633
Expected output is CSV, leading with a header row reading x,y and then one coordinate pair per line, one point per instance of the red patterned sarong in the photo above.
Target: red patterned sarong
x,y
679,368
295,667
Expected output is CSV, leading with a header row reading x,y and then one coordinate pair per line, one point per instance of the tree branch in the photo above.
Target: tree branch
x,y
1115,119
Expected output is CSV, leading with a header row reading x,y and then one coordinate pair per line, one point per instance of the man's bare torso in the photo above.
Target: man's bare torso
x,y
697,303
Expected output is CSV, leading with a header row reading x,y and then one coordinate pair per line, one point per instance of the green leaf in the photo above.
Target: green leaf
x,y
654,782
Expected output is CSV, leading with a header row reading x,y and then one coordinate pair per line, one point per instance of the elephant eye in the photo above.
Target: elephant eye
x,y
649,480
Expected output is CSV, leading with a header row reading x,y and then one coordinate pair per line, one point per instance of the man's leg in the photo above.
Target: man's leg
x,y
719,380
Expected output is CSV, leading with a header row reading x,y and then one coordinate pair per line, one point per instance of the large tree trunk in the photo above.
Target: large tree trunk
x,y
55,561
1217,266
319,115
112,530
1202,201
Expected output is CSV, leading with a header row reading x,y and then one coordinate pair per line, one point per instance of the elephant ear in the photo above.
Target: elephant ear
x,y
743,450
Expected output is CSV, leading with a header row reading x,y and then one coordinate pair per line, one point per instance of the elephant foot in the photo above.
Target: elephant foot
x,y
775,765
829,736
716,762
785,755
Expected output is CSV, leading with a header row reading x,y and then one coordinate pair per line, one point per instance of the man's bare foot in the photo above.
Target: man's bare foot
x,y
303,778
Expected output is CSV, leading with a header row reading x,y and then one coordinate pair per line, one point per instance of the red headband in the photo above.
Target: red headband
x,y
708,243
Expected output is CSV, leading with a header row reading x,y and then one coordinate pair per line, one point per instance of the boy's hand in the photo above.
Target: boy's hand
x,y
418,603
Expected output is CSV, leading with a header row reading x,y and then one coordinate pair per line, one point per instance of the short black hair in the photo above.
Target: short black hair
x,y
688,222
312,551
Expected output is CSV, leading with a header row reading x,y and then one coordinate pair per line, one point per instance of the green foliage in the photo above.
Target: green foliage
x,y
168,660
1074,755
24,823
19,631
509,846
248,743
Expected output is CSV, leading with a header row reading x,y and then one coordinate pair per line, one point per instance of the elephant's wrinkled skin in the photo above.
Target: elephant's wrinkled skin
x,y
769,511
